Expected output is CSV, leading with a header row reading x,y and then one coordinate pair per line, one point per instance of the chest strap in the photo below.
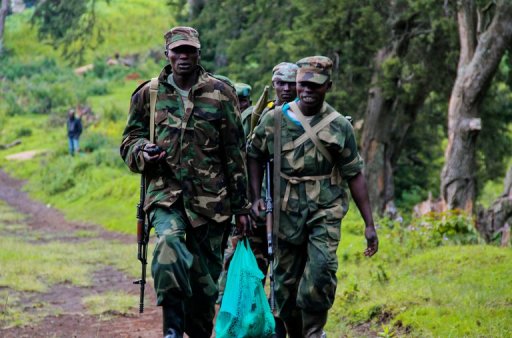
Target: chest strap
x,y
310,132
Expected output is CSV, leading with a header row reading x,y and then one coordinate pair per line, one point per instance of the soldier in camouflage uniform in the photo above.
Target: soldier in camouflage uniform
x,y
243,92
196,180
283,82
312,200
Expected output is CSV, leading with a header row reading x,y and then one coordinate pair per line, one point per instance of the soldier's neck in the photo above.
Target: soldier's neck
x,y
309,110
185,82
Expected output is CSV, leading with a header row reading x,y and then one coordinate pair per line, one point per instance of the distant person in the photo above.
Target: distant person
x,y
196,181
317,152
74,127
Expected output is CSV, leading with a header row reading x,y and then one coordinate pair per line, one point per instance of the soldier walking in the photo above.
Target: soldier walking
x,y
314,151
196,180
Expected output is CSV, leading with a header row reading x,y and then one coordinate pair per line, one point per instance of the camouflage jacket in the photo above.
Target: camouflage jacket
x,y
205,148
304,170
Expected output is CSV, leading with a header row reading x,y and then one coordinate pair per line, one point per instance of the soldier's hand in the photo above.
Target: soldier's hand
x,y
152,153
372,241
243,224
257,210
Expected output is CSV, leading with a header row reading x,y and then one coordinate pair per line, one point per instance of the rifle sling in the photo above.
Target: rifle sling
x,y
153,91
276,179
307,128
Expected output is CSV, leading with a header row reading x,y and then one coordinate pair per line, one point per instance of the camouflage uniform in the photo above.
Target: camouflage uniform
x,y
313,202
286,72
194,190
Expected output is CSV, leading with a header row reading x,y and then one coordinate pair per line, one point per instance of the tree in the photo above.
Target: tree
x,y
484,37
495,218
3,15
69,24
407,69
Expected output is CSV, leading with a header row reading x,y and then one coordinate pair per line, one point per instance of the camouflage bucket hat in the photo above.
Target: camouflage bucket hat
x,y
316,69
284,71
243,89
182,36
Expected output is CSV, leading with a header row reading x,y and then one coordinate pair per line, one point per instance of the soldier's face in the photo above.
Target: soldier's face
x,y
184,60
285,91
245,102
311,94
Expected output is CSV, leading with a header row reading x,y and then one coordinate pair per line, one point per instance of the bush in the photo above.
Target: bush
x,y
94,141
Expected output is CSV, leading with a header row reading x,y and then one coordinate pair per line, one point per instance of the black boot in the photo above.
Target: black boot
x,y
313,323
294,326
171,333
280,328
173,317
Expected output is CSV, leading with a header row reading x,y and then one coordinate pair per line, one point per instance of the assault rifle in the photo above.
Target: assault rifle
x,y
268,223
143,230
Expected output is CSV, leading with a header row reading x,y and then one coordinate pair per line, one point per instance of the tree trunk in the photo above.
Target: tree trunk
x,y
3,16
386,125
498,217
480,55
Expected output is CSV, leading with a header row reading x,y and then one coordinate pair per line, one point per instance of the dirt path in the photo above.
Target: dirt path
x,y
73,320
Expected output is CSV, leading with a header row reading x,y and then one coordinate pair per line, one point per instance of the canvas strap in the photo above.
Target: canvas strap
x,y
310,133
276,179
153,91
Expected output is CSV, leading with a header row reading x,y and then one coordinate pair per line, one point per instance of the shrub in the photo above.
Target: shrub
x,y
93,141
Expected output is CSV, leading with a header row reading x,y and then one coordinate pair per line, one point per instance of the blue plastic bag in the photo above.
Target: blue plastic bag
x,y
244,311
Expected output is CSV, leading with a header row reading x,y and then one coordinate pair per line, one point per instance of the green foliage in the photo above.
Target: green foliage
x,y
71,24
495,139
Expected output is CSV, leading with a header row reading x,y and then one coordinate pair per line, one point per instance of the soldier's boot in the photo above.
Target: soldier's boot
x,y
294,326
313,323
173,320
280,328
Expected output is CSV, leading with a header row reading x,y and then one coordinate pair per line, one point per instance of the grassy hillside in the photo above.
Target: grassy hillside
x,y
431,278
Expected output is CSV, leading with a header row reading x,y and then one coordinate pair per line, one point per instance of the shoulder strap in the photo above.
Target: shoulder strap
x,y
316,128
153,91
276,179
309,132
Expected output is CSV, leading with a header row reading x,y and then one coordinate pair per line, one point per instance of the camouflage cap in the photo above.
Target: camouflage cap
x,y
182,36
242,89
284,71
316,69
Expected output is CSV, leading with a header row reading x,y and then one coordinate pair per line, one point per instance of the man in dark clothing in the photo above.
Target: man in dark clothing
x,y
74,126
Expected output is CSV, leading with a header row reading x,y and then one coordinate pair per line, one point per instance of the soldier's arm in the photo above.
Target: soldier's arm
x,y
136,132
233,144
359,192
351,165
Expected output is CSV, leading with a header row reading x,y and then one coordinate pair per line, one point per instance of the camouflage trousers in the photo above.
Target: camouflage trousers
x,y
186,266
305,273
258,242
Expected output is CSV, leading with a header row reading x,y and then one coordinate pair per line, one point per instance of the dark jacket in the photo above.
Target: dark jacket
x,y
74,127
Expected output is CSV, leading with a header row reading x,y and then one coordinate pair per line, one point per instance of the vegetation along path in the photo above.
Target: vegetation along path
x,y
66,279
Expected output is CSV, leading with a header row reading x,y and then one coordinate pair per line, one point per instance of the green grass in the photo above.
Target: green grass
x,y
110,303
446,291
30,264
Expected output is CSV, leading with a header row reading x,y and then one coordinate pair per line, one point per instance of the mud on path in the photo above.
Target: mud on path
x,y
72,319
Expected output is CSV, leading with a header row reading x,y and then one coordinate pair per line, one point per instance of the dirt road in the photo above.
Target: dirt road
x,y
73,320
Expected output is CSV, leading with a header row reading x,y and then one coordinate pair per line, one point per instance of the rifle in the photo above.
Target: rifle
x,y
270,247
143,230
143,227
